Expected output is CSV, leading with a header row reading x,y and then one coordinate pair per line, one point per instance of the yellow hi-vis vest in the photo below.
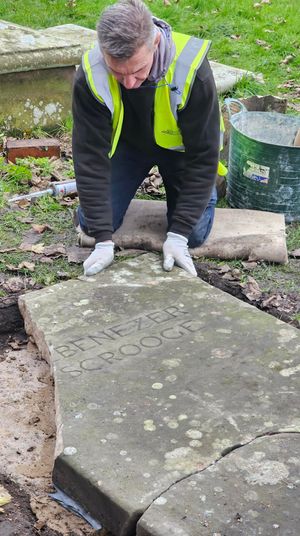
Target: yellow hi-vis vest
x,y
171,95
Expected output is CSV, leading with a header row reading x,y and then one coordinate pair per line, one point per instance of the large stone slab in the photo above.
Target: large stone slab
x,y
254,490
23,49
236,234
157,375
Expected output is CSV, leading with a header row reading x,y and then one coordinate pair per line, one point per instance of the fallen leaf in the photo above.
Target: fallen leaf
x,y
5,497
288,59
23,203
251,289
40,228
11,267
7,250
249,265
224,269
24,264
54,249
28,265
273,300
229,277
46,260
263,44
63,275
265,1
166,2
35,248
78,255
235,37
36,181
14,284
24,220
68,201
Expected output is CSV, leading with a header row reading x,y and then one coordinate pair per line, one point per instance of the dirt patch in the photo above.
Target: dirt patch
x,y
277,300
17,518
27,432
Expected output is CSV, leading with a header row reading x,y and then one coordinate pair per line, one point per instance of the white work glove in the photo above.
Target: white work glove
x,y
175,251
100,258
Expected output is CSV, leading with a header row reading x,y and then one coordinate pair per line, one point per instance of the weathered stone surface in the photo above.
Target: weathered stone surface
x,y
253,490
156,376
236,234
73,34
36,77
36,98
226,77
23,49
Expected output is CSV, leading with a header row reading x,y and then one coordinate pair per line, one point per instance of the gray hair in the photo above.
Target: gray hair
x,y
124,27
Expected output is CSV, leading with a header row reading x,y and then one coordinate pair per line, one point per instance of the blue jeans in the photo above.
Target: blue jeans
x,y
129,167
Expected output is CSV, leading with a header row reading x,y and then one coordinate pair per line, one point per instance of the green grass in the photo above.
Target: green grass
x,y
221,21
15,178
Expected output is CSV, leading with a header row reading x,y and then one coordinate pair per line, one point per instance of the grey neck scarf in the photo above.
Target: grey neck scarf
x,y
165,52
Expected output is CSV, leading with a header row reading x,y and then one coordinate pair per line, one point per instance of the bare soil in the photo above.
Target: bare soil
x,y
27,431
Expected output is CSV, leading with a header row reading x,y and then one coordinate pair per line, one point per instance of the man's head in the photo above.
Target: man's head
x,y
128,39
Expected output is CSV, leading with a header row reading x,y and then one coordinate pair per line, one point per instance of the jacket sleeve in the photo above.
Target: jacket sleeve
x,y
199,123
92,132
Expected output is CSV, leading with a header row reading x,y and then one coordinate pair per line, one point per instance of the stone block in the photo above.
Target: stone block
x,y
37,148
40,98
253,490
23,49
157,376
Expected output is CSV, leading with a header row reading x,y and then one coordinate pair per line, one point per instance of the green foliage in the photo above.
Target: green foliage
x,y
14,178
41,166
293,236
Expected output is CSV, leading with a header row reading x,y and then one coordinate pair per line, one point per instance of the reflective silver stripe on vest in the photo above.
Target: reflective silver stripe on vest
x,y
100,77
182,69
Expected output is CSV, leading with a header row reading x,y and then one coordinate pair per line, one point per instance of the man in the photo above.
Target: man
x,y
145,95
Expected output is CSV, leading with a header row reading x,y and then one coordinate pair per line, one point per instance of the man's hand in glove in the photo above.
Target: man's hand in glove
x,y
175,251
100,258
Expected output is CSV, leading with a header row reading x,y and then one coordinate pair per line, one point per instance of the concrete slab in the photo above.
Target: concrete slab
x,y
156,374
253,490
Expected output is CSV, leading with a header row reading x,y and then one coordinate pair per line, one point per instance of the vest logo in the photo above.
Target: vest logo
x,y
171,132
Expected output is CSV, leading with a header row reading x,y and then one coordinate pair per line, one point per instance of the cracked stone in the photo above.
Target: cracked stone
x,y
157,375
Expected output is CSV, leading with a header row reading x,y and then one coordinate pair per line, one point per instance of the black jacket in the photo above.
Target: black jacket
x,y
200,129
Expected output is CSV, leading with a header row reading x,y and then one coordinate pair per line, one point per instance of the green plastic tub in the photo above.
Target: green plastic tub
x,y
264,166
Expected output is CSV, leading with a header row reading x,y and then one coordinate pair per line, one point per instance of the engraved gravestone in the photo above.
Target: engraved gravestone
x,y
156,376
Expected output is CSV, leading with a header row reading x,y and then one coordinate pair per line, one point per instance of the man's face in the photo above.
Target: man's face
x,y
133,72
